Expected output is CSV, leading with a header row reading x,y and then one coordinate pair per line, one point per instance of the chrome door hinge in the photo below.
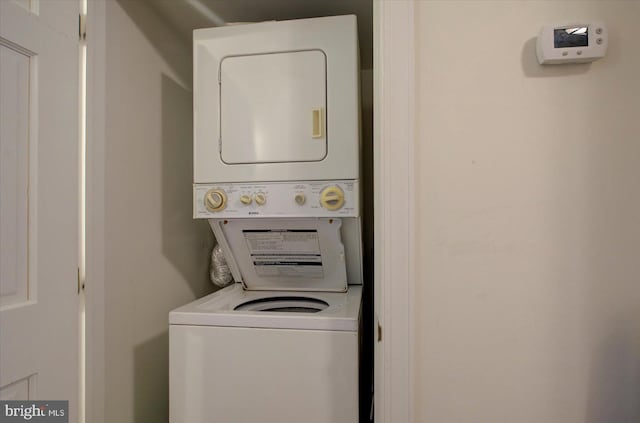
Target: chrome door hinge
x,y
82,26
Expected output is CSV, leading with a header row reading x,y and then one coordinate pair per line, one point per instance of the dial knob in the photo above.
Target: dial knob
x,y
300,198
260,198
332,198
246,199
215,200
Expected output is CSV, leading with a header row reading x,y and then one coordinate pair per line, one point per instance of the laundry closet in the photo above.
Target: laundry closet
x,y
156,256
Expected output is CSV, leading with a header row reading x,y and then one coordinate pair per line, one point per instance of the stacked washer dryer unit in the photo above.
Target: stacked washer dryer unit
x,y
277,168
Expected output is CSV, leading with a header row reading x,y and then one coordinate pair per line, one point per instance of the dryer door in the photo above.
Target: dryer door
x,y
273,107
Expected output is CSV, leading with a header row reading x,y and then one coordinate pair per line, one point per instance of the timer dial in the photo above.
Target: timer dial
x,y
332,198
260,198
215,200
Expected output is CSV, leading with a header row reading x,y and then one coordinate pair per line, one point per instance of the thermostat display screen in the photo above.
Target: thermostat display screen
x,y
571,37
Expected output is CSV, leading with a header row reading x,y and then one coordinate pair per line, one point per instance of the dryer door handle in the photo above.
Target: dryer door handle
x,y
317,130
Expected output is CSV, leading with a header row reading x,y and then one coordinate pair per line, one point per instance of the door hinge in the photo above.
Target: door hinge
x,y
80,282
82,26
379,332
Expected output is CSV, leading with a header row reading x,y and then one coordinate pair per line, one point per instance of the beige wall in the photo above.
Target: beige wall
x,y
155,253
528,184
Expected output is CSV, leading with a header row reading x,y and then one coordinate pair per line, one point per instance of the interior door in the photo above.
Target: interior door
x,y
273,107
39,316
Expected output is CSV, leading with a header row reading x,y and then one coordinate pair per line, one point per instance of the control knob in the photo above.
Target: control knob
x,y
332,198
215,200
260,198
300,199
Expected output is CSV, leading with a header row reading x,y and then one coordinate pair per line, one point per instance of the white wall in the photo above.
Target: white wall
x,y
528,220
155,254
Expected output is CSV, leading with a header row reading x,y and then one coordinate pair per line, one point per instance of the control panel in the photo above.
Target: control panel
x,y
282,199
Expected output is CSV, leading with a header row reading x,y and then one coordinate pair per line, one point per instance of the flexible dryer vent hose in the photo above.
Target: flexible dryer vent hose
x,y
220,273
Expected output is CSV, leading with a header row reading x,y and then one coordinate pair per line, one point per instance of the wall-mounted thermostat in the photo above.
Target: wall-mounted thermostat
x,y
571,43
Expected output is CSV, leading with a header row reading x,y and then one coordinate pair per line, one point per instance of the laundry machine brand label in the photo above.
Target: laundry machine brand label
x,y
285,252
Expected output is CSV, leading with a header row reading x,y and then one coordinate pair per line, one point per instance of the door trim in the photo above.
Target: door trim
x,y
95,227
394,108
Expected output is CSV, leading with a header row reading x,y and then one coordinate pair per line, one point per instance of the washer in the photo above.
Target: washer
x,y
255,356
284,340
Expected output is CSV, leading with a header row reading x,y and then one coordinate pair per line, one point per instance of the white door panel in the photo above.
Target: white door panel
x,y
39,201
14,175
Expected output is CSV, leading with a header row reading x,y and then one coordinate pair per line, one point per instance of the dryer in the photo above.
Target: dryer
x,y
276,173
277,101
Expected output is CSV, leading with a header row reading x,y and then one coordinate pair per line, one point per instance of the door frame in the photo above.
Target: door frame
x,y
394,123
95,366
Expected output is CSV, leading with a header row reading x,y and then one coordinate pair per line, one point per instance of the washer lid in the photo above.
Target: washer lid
x,y
304,254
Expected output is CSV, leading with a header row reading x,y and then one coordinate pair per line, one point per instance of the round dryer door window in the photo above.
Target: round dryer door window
x,y
284,305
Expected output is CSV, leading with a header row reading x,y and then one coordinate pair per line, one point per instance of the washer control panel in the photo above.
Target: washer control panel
x,y
282,199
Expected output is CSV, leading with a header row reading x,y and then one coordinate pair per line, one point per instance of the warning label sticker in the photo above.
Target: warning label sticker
x,y
285,252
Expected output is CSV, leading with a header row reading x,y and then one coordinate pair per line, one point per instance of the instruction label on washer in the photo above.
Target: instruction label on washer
x,y
285,252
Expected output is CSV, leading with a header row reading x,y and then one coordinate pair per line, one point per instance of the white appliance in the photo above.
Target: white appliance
x,y
276,170
232,362
276,101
